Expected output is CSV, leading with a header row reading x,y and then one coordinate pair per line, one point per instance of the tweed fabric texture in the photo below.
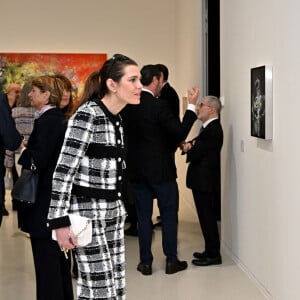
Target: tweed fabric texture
x,y
101,264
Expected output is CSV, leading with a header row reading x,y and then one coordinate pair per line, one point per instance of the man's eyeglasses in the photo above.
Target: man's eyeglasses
x,y
203,104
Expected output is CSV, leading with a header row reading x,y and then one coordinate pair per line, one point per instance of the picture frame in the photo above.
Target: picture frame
x,y
262,102
19,67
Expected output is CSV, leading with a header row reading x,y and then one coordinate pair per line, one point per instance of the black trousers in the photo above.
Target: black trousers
x,y
52,271
2,186
206,212
129,202
166,194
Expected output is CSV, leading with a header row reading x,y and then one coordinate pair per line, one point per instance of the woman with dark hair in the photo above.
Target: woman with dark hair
x,y
52,270
88,181
67,102
91,86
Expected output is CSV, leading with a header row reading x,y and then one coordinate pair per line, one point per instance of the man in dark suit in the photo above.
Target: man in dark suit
x,y
168,92
203,177
170,95
10,139
152,132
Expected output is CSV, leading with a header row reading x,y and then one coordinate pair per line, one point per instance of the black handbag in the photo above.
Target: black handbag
x,y
25,188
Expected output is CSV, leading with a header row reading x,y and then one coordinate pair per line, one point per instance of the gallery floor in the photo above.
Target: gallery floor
x,y
224,282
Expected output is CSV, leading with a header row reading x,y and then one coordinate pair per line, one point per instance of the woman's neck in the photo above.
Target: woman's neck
x,y
113,104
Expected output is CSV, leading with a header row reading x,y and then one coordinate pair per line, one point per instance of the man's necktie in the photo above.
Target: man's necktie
x,y
201,129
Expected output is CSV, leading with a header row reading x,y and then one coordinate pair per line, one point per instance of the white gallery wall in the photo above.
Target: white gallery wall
x,y
260,222
143,30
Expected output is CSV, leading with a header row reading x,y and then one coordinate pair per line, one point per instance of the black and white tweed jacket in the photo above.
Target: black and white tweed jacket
x,y
91,162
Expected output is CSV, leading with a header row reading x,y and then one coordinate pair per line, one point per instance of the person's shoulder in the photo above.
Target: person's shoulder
x,y
89,109
55,111
215,125
51,115
146,94
87,106
173,91
20,110
169,92
216,122
4,107
147,99
3,100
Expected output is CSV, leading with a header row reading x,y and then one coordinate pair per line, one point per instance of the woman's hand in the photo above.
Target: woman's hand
x,y
66,238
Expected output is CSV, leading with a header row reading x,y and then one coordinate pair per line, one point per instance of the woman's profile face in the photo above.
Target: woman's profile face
x,y
65,100
129,88
38,99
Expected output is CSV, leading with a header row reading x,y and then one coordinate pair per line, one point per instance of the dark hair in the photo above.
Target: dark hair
x,y
52,84
164,71
113,68
24,100
67,86
66,81
148,72
91,88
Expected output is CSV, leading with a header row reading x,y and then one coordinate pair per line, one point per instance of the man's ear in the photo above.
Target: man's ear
x,y
111,85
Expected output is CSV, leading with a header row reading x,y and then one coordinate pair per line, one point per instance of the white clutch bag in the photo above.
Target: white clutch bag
x,y
81,227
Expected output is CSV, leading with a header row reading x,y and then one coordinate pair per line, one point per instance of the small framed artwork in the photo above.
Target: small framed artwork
x,y
262,102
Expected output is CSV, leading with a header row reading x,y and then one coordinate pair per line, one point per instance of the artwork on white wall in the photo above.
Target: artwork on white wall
x,y
262,102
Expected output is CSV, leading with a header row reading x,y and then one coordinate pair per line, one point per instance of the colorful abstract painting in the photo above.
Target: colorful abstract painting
x,y
19,67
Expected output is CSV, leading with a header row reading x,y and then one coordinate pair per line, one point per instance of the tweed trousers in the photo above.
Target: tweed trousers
x,y
101,264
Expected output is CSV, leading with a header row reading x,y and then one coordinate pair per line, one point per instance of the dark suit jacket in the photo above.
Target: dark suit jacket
x,y
203,172
169,93
10,139
152,131
44,147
